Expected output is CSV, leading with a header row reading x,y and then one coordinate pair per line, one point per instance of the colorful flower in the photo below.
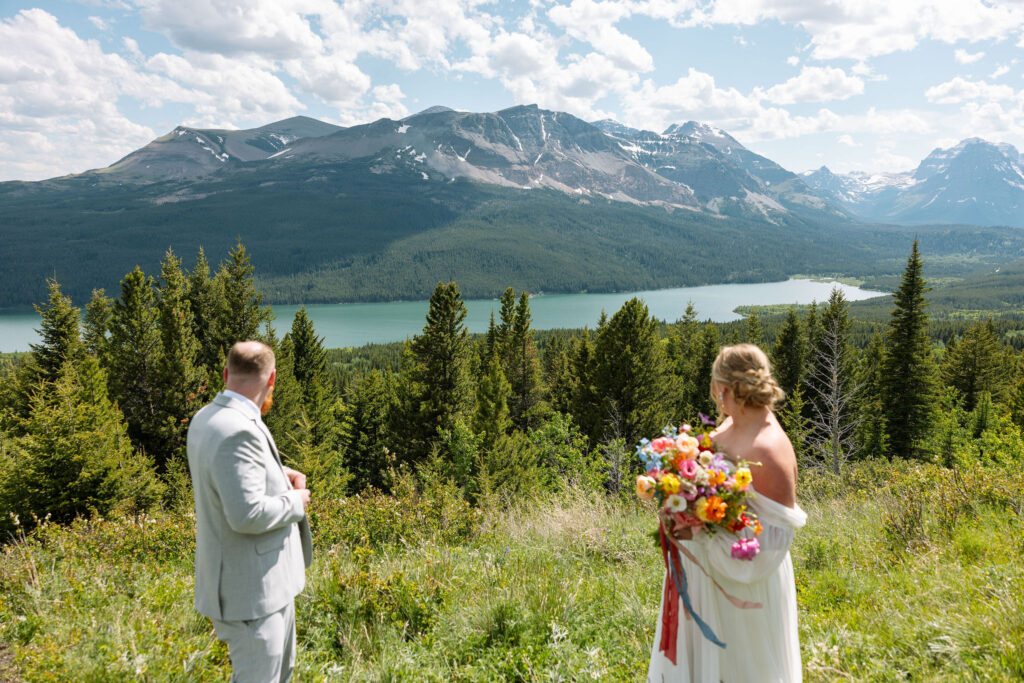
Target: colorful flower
x,y
645,487
699,506
661,443
675,503
688,468
716,477
685,428
745,548
743,478
669,484
706,420
715,509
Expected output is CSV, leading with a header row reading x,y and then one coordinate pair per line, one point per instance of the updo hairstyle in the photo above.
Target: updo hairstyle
x,y
745,369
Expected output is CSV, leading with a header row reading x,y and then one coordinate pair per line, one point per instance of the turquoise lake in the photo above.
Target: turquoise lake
x,y
358,324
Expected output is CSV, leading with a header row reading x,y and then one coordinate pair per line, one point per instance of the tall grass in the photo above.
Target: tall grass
x,y
903,573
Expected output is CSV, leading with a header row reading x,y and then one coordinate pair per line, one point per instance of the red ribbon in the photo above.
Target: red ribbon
x,y
670,598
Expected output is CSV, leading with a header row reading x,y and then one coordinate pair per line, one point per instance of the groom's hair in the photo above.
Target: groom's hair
x,y
250,359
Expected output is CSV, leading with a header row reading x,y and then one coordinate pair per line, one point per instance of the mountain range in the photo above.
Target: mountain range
x,y
975,182
527,197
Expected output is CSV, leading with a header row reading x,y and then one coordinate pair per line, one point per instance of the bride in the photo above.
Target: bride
x,y
762,643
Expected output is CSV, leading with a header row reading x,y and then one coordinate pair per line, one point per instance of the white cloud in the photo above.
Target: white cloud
x,y
815,84
965,57
793,61
859,29
960,90
847,140
99,23
1001,70
594,23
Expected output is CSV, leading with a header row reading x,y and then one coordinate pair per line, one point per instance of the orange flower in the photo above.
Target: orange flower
x,y
714,509
757,527
716,477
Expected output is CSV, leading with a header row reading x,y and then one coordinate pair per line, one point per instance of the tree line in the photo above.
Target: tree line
x,y
94,419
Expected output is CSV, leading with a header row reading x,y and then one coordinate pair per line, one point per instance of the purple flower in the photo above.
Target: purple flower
x,y
705,420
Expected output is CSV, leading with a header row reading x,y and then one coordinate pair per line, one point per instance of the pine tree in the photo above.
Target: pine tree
x,y
75,454
203,299
753,332
796,426
182,384
368,416
285,416
60,333
789,355
699,392
558,376
908,383
96,323
134,361
491,418
976,365
522,369
241,313
631,376
871,433
586,402
437,368
683,351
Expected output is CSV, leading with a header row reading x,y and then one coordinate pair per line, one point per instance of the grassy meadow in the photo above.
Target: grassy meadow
x,y
904,572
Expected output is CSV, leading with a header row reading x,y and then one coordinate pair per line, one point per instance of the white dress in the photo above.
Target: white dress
x,y
761,644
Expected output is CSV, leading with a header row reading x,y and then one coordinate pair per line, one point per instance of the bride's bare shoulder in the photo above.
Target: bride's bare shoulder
x,y
775,477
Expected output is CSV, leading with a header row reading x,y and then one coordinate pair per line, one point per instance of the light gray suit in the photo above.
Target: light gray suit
x,y
252,535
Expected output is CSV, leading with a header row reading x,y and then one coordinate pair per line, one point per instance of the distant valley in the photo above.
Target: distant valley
x,y
526,197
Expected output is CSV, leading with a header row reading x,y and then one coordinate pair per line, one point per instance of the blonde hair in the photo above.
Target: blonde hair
x,y
745,369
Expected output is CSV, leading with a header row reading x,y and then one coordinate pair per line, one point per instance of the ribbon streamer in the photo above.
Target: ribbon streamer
x,y
676,587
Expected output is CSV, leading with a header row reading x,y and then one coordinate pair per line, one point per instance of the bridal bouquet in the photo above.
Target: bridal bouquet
x,y
697,487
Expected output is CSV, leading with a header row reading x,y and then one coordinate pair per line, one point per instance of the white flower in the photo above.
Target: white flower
x,y
705,458
675,503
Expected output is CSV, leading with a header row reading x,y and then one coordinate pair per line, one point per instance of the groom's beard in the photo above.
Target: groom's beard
x,y
267,402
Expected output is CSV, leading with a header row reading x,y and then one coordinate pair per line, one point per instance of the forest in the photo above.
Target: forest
x,y
446,469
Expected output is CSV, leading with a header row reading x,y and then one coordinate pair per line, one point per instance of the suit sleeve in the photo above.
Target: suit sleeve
x,y
240,477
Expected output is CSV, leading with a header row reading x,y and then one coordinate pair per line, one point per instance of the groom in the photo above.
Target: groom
x,y
252,535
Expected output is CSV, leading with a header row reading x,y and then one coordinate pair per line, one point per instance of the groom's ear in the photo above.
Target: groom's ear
x,y
273,377
225,375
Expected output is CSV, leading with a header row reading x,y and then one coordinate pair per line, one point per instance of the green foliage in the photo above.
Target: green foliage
x,y
908,382
630,377
368,415
240,312
59,330
73,455
491,418
789,355
977,364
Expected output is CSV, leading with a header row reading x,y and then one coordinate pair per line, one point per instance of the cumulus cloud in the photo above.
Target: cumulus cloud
x,y
815,84
965,57
846,140
961,90
594,23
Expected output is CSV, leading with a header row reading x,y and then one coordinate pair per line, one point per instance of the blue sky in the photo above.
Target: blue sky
x,y
866,85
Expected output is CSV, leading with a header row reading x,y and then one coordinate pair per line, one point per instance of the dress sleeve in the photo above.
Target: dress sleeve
x,y
774,543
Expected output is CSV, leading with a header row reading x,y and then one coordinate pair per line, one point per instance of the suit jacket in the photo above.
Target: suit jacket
x,y
252,535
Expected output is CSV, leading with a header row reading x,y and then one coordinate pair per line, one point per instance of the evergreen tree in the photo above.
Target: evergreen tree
x,y
60,334
134,361
522,369
491,418
181,383
812,326
871,434
97,323
286,416
368,416
976,364
684,354
75,455
699,392
558,376
789,355
796,426
631,376
204,302
586,402
503,332
310,358
753,331
437,369
241,312
908,382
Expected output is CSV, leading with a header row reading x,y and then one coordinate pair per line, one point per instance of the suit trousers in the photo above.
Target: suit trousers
x,y
262,650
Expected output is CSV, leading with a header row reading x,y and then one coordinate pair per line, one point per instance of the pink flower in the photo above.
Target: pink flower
x,y
745,548
661,443
688,468
687,519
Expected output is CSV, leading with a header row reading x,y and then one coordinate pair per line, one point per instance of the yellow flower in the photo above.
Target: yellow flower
x,y
743,477
669,484
716,477
699,506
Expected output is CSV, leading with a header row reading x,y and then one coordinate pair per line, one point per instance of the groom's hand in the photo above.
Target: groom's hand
x,y
305,497
298,479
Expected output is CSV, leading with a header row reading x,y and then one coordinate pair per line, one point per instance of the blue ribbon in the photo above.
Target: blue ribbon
x,y
679,578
